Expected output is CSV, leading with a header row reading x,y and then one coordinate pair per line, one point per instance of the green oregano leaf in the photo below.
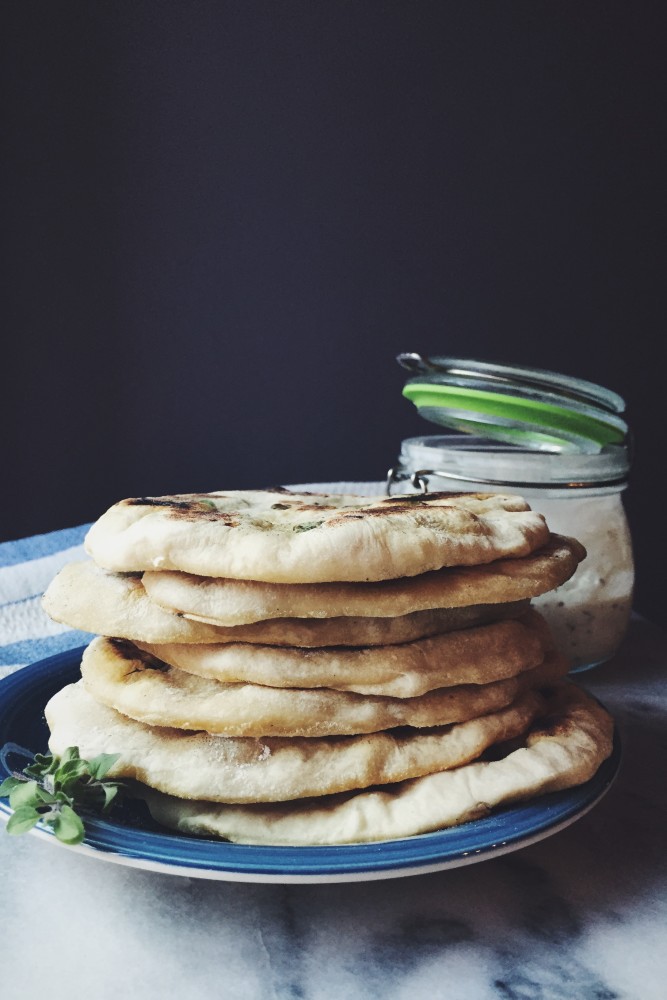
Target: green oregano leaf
x,y
100,765
68,826
72,770
22,820
44,764
9,784
110,793
25,793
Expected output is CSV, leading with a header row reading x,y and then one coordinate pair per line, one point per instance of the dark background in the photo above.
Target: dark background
x,y
223,220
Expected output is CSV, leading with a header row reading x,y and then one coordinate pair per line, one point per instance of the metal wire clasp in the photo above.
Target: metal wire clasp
x,y
418,480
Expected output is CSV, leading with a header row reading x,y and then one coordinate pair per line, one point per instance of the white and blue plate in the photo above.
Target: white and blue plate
x,y
131,836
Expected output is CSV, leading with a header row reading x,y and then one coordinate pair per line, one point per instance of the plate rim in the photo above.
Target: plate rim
x,y
507,829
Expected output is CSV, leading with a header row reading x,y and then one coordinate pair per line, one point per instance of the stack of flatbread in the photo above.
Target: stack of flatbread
x,y
292,668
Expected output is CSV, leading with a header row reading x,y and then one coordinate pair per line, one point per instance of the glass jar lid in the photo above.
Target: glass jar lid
x,y
537,409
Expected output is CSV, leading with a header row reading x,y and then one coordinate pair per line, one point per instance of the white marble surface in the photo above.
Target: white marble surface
x,y
580,916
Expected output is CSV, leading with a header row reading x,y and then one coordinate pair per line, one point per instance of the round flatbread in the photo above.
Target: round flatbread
x,y
119,675
283,537
236,602
225,769
564,750
471,656
86,597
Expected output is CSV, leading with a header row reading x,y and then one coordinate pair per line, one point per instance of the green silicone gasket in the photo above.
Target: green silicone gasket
x,y
526,437
551,418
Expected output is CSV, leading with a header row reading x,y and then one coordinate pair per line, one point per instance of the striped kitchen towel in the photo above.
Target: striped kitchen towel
x,y
27,566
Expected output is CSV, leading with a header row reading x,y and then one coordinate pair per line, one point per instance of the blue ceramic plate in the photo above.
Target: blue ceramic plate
x,y
133,838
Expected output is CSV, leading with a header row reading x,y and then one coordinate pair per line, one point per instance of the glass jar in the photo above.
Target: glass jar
x,y
557,440
579,495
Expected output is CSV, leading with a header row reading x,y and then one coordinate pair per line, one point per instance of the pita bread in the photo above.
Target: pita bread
x,y
119,675
222,769
564,750
473,656
86,597
236,602
283,537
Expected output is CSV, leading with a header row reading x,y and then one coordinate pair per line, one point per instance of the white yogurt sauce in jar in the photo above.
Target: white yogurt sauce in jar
x,y
589,614
580,496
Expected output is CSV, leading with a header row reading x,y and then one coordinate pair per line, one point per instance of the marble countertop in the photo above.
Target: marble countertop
x,y
579,916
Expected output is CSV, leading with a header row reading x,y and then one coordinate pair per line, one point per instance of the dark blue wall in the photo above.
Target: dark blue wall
x,y
224,219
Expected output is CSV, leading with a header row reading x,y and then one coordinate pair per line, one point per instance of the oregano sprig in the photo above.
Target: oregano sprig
x,y
52,789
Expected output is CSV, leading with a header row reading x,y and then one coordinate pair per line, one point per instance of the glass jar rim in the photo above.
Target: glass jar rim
x,y
460,457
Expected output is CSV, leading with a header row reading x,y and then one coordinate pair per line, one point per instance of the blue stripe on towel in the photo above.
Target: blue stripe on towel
x,y
25,549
